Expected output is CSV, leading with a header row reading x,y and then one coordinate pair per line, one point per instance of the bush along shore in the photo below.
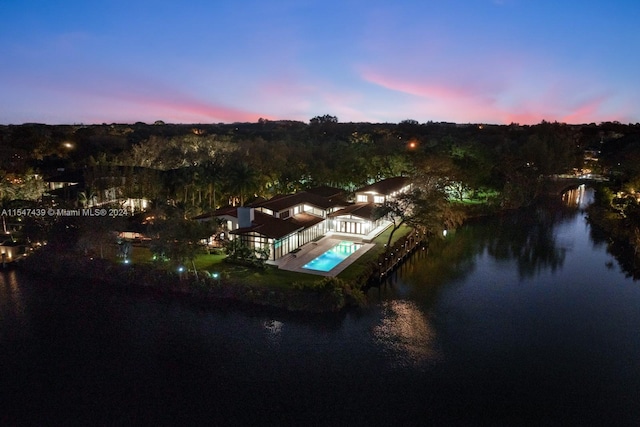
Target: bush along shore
x,y
621,235
326,295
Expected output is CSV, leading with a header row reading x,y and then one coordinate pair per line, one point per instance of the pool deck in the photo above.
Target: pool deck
x,y
294,262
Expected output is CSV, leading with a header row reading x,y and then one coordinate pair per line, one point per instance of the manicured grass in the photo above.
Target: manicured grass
x,y
358,267
273,277
269,276
209,262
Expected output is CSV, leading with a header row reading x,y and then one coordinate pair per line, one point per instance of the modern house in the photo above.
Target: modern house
x,y
361,218
287,222
381,191
283,223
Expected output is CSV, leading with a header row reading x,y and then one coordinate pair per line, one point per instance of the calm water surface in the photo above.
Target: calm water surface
x,y
520,320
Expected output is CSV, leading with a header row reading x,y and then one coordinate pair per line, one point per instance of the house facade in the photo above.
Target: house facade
x,y
285,223
11,251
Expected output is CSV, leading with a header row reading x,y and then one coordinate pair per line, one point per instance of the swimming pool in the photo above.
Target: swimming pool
x,y
332,257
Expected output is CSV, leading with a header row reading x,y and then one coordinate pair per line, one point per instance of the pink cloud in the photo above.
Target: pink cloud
x,y
529,103
431,91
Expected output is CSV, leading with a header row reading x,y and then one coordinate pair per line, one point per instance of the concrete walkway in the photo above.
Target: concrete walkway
x,y
294,262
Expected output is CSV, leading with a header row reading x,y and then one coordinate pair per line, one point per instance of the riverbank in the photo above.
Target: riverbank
x,y
620,234
322,296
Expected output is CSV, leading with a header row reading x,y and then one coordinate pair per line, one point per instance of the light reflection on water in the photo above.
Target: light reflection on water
x,y
575,198
10,295
13,318
407,333
273,330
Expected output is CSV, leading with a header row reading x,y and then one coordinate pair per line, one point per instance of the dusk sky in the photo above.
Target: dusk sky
x,y
210,61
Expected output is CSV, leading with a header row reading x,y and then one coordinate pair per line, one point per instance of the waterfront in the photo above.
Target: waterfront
x,y
516,320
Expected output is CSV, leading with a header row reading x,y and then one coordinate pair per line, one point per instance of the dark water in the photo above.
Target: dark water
x,y
520,320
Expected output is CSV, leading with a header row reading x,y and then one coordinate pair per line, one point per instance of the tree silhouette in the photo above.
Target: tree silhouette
x,y
242,180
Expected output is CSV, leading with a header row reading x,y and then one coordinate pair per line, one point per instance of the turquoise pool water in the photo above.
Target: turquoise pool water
x,y
333,256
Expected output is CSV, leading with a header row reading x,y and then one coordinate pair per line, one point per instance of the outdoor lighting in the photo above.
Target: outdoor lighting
x,y
180,269
215,275
444,233
126,261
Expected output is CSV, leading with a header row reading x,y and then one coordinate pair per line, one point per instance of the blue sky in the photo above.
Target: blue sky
x,y
465,61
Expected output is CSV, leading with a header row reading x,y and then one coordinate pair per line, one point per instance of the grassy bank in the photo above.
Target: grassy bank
x,y
216,278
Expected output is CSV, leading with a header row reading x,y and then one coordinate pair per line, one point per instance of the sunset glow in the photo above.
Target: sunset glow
x,y
469,61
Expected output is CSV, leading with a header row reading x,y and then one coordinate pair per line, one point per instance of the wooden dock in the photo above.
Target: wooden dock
x,y
396,256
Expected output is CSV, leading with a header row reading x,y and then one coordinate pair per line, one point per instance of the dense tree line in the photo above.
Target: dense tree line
x,y
206,166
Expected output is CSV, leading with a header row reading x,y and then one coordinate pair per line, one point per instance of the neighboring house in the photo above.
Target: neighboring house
x,y
66,185
11,251
285,223
96,187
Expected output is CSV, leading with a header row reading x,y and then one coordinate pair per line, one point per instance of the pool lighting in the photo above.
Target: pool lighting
x,y
332,257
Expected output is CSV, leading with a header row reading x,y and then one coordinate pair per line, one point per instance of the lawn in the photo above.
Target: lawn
x,y
270,276
358,267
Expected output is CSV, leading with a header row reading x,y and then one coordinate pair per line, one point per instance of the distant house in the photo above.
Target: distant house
x,y
65,185
100,186
11,251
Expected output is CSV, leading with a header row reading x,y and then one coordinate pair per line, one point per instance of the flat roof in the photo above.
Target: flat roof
x,y
386,186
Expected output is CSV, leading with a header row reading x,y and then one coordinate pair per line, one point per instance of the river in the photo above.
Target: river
x,y
524,319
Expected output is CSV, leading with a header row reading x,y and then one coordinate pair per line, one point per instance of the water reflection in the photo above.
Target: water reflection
x,y
407,333
528,238
273,330
10,294
14,318
575,198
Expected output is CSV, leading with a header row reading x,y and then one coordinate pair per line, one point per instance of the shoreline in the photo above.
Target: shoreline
x,y
329,296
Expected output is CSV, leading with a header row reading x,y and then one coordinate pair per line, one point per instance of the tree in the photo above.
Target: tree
x,y
94,233
326,119
425,206
243,179
177,239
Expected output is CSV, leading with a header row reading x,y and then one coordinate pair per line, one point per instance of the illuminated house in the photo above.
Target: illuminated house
x,y
11,251
361,218
379,192
285,223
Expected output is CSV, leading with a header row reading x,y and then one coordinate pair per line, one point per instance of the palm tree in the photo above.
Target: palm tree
x,y
212,173
243,179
